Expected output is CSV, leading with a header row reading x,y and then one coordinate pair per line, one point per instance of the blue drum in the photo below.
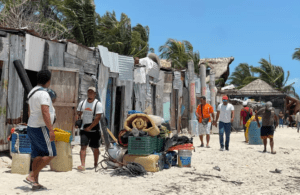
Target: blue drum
x,y
254,134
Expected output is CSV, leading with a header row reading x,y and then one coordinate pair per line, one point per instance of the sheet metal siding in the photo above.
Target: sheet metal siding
x,y
103,77
128,101
160,94
35,47
15,88
109,59
56,54
4,56
154,72
126,68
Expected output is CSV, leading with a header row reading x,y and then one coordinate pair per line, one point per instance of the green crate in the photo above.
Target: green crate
x,y
154,143
140,145
160,144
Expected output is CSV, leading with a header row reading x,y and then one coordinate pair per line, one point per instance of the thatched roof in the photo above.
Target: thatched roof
x,y
255,88
164,63
220,66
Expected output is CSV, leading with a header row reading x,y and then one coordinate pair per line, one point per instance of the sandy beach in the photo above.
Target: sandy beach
x,y
244,170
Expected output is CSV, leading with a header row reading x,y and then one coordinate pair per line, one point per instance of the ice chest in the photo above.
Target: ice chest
x,y
150,162
24,143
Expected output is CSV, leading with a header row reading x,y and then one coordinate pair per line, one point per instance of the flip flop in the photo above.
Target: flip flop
x,y
273,152
81,168
28,181
202,145
207,146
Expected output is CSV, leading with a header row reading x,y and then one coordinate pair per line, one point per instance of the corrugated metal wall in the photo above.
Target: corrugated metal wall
x,y
15,88
126,68
4,57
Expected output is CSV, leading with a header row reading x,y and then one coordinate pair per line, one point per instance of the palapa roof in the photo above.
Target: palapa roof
x,y
219,66
165,64
255,88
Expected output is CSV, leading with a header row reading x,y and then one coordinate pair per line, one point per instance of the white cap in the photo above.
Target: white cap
x,y
245,103
92,88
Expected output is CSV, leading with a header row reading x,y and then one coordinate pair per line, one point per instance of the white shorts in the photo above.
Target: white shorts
x,y
204,129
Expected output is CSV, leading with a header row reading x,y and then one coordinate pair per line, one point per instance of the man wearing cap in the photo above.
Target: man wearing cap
x,y
267,129
89,111
245,115
226,113
204,110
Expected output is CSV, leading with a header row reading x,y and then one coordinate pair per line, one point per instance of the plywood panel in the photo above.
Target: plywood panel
x,y
65,118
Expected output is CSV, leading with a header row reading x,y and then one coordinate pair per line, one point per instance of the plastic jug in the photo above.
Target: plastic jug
x,y
20,163
63,162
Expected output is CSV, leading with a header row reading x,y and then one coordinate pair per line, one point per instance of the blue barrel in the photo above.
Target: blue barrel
x,y
254,134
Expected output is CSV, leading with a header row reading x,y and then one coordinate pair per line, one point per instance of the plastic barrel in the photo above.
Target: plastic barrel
x,y
184,158
254,134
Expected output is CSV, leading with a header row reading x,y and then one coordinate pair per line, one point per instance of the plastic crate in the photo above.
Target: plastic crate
x,y
140,145
24,142
134,112
160,144
154,144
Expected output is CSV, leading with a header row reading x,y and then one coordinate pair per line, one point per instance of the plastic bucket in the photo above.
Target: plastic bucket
x,y
184,158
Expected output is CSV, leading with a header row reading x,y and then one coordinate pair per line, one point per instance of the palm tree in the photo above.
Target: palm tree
x,y
196,59
80,18
119,37
274,76
296,55
178,52
242,75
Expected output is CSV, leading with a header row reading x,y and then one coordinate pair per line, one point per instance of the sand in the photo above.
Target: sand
x,y
244,170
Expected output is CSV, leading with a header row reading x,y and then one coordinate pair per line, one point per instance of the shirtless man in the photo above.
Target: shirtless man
x,y
267,130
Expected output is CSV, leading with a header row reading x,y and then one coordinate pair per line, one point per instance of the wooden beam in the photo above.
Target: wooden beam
x,y
62,69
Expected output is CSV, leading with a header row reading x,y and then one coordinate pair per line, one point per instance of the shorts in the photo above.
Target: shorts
x,y
40,142
267,132
90,138
204,129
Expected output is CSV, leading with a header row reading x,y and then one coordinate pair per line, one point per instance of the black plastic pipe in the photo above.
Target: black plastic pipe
x,y
23,75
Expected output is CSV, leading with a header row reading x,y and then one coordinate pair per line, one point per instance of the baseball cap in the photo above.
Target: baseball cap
x,y
244,103
92,88
225,97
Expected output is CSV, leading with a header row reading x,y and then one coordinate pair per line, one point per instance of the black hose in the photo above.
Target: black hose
x,y
23,76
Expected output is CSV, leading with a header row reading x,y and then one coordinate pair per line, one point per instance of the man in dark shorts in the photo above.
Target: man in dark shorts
x,y
267,130
90,111
40,129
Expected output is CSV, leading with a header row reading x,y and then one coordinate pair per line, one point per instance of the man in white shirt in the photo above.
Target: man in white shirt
x,y
40,129
89,111
297,119
226,114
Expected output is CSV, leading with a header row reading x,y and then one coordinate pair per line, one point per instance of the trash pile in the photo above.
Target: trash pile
x,y
145,145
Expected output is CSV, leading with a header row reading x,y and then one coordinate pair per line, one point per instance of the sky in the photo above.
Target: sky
x,y
247,30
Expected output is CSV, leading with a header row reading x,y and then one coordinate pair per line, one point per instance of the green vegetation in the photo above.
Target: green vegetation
x,y
271,74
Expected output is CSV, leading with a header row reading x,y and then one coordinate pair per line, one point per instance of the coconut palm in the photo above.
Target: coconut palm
x,y
296,55
178,52
274,76
242,75
196,59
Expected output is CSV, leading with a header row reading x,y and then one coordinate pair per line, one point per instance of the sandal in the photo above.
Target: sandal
x,y
81,168
273,152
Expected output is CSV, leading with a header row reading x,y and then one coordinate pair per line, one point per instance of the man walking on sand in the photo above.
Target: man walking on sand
x,y
90,111
267,129
297,119
204,110
226,114
39,129
245,115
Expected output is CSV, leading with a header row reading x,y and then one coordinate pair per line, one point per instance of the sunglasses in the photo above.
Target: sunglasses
x,y
225,100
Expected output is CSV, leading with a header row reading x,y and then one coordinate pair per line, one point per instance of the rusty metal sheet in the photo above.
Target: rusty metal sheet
x,y
73,62
15,87
4,56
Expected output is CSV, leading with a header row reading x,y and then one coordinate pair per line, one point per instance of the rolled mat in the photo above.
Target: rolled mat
x,y
143,123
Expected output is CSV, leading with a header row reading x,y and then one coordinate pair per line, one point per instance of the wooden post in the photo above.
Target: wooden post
x,y
193,123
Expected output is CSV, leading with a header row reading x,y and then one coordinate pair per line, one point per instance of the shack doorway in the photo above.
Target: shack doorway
x,y
118,110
